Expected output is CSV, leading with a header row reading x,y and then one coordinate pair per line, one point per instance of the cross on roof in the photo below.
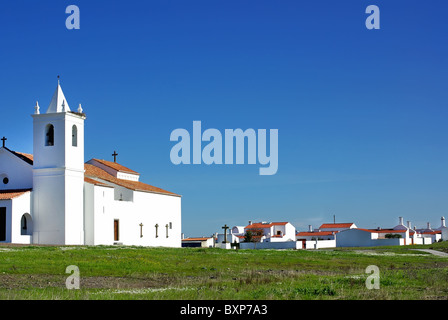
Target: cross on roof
x,y
3,139
115,154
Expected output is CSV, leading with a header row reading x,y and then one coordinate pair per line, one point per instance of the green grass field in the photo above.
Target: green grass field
x,y
119,272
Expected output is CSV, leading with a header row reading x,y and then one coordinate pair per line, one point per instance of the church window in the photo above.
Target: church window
x,y
167,226
5,180
74,136
23,223
26,224
157,230
49,135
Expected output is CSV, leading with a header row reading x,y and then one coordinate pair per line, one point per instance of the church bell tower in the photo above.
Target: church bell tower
x,y
58,173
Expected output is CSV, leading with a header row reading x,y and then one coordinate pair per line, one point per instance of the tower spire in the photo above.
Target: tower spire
x,y
58,102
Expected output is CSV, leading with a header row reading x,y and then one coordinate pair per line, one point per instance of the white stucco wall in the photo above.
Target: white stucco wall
x,y
15,209
288,232
318,244
360,238
21,206
445,234
18,172
149,209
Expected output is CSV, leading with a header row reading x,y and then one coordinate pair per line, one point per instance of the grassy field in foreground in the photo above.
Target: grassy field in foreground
x,y
119,272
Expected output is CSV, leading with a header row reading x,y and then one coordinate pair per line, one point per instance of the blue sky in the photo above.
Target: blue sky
x,y
362,114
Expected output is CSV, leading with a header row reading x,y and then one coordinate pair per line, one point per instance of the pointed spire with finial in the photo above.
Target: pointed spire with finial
x,y
58,102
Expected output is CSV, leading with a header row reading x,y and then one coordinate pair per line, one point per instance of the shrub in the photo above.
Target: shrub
x,y
392,235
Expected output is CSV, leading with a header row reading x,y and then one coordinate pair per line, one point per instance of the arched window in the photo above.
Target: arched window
x,y
26,225
49,135
74,136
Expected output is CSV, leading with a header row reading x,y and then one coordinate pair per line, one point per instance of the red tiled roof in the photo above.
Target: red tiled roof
x,y
335,225
259,225
432,232
382,230
196,239
27,156
316,233
24,156
92,171
11,194
115,166
92,181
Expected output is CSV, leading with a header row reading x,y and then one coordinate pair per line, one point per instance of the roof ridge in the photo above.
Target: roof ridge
x,y
27,157
115,166
99,173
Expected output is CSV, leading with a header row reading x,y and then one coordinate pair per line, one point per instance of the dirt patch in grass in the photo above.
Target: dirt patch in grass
x,y
19,281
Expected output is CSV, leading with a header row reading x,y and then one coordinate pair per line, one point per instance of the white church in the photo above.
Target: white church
x,y
54,197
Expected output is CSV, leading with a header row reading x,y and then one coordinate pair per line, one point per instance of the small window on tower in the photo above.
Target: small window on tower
x,y
74,136
49,135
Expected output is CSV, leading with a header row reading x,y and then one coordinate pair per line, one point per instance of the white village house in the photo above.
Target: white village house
x,y
266,235
323,237
201,242
53,197
398,235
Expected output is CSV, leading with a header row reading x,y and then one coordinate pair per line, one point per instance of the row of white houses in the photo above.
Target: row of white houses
x,y
283,235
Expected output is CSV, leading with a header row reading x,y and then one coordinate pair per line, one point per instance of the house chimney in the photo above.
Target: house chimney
x,y
250,222
429,226
409,224
443,222
310,228
400,221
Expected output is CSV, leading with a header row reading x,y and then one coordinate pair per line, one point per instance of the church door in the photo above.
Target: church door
x,y
2,224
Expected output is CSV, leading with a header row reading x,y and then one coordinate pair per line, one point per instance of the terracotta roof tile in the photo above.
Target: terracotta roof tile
x,y
115,166
382,230
95,182
196,239
316,233
260,225
27,156
11,194
432,232
335,225
92,171
24,156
